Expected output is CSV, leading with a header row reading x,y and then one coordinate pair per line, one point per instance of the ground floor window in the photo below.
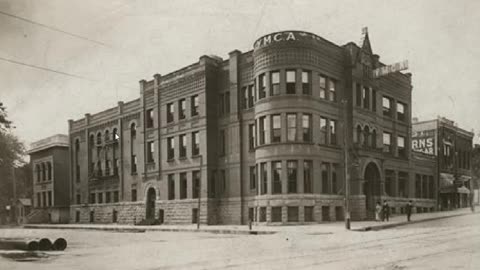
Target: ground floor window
x,y
292,213
263,214
325,213
309,214
277,214
338,213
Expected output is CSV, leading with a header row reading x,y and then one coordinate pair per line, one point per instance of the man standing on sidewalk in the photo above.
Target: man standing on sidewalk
x,y
385,210
408,208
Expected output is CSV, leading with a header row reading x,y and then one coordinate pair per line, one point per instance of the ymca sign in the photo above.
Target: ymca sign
x,y
284,37
424,145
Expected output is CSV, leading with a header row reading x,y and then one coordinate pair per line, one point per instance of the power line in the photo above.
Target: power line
x,y
53,28
44,69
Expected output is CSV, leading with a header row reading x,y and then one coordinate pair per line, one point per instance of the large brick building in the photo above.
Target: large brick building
x,y
257,136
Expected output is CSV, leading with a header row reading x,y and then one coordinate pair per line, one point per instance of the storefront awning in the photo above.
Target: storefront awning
x,y
465,178
463,190
454,189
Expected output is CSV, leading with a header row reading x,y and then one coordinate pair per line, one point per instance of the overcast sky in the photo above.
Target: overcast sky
x,y
105,47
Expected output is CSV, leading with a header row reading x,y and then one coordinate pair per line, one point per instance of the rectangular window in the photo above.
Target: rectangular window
x,y
323,87
92,198
292,176
108,197
170,112
263,130
49,196
115,196
227,102
194,105
195,143
183,145
401,111
171,186
100,197
182,106
401,146
263,177
276,128
332,90
291,81
277,214
276,177
403,184
274,83
183,185
261,86
222,143
150,151
292,213
309,214
306,127
389,182
292,127
366,97
333,132
386,106
387,142
251,136
134,163
325,180
44,199
149,116
323,130
253,177
307,176
134,194
245,98
171,148
334,178
374,100
251,96
78,199
306,85
195,184
262,215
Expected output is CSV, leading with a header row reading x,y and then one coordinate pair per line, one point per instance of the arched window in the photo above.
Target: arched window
x,y
115,134
107,135
359,134
38,172
374,138
49,171
99,138
43,171
366,137
133,130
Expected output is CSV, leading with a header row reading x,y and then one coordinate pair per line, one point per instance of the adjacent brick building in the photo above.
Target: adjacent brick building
x,y
452,148
51,180
257,136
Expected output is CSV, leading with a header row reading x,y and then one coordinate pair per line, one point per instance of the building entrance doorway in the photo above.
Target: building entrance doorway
x,y
372,187
150,207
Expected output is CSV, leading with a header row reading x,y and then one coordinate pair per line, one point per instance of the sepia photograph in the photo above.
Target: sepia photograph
x,y
239,134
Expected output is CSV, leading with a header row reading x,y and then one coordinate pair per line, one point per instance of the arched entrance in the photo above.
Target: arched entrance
x,y
150,207
371,187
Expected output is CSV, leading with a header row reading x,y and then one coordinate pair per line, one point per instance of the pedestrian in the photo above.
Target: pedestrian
x,y
386,210
408,208
378,210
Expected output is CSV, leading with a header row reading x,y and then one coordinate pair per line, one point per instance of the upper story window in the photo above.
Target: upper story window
x,y
49,171
171,148
291,127
323,130
333,131
99,138
182,106
401,146
170,112
276,128
251,95
291,81
194,105
387,106
133,131
107,136
323,86
149,116
307,127
115,134
245,98
222,144
332,90
401,111
276,177
261,86
366,97
195,143
306,85
262,129
227,102
251,136
275,83
150,151
374,100
183,145
387,142
292,176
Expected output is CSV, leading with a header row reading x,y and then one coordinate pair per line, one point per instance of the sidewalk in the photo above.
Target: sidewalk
x,y
321,228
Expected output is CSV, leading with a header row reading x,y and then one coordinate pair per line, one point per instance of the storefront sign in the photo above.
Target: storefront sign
x,y
287,36
424,145
382,71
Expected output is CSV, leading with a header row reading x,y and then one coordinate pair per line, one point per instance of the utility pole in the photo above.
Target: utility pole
x,y
345,160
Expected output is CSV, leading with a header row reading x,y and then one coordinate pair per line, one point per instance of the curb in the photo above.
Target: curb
x,y
142,230
392,225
